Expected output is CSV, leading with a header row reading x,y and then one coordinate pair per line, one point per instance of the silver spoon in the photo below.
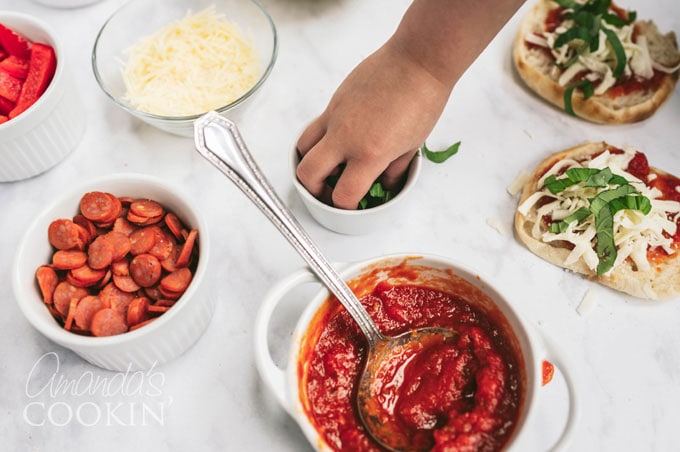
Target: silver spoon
x,y
216,137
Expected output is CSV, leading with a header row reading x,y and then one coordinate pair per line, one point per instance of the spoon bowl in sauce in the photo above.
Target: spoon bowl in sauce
x,y
218,140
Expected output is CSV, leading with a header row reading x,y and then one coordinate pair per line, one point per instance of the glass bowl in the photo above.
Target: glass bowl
x,y
140,18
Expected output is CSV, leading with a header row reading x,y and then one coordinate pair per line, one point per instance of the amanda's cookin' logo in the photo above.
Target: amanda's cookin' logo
x,y
121,398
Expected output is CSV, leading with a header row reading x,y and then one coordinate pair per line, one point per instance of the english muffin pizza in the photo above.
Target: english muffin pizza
x,y
602,211
596,60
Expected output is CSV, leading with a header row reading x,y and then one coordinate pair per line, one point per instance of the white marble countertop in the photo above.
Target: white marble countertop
x,y
626,353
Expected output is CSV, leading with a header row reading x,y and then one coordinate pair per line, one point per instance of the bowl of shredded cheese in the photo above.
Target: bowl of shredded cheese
x,y
167,62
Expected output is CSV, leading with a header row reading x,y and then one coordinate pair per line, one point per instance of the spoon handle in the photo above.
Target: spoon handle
x,y
215,134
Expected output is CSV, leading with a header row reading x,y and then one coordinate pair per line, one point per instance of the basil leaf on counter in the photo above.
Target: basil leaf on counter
x,y
440,156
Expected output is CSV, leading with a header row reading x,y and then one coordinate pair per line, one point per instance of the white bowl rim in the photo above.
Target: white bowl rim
x,y
187,118
67,338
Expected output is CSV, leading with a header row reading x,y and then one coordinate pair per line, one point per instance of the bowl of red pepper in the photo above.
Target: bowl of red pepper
x,y
41,116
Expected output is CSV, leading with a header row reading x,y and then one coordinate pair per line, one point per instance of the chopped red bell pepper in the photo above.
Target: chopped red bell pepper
x,y
3,118
14,43
10,87
5,106
41,68
15,66
3,54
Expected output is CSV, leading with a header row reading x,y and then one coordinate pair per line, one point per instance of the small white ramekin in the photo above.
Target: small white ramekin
x,y
49,130
356,222
162,340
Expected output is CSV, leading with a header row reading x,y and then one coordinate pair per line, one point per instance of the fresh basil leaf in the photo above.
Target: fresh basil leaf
x,y
605,246
571,176
586,87
618,180
631,202
603,199
613,19
618,51
578,216
363,203
440,156
578,32
569,4
599,179
376,190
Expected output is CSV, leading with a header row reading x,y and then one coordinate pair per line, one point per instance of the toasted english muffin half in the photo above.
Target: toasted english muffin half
x,y
647,245
630,99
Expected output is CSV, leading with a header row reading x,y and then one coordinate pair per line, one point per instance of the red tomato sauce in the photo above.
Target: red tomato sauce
x,y
463,394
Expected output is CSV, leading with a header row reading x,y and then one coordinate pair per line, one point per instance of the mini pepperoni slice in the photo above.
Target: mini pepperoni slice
x,y
185,255
64,293
143,221
121,244
100,253
68,259
146,208
124,226
174,225
86,309
169,294
168,263
71,313
86,224
108,322
126,200
145,269
142,240
86,276
116,298
125,283
153,292
177,281
138,311
47,282
163,246
165,303
105,280
156,309
97,206
121,267
115,212
63,234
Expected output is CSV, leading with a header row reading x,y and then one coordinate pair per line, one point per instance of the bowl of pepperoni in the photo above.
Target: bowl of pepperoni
x,y
115,270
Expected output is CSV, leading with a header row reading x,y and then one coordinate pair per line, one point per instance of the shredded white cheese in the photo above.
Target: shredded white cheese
x,y
588,303
497,225
196,64
634,232
516,186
